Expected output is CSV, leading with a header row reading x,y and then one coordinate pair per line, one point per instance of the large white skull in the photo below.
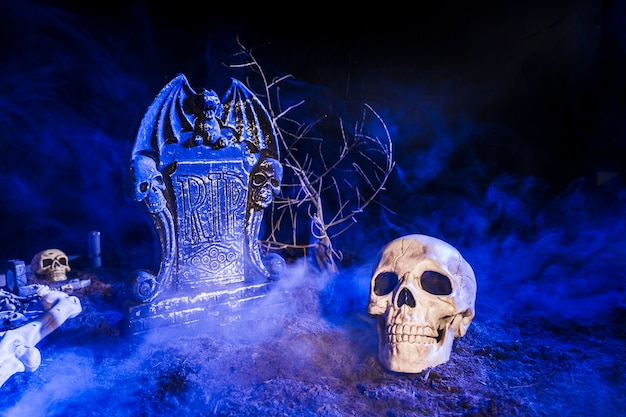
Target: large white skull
x,y
148,183
423,294
53,264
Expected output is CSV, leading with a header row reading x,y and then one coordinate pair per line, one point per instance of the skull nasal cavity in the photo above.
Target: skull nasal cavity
x,y
405,297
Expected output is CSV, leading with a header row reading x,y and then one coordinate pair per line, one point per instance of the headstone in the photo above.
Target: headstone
x,y
205,170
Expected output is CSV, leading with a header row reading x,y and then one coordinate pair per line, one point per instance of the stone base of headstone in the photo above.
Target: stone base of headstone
x,y
220,306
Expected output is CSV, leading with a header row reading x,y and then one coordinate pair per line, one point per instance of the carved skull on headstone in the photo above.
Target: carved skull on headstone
x,y
422,293
265,180
148,184
52,264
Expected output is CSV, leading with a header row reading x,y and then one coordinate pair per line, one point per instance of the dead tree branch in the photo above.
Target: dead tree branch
x,y
333,170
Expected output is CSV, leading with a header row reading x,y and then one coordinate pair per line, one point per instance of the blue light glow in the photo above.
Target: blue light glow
x,y
505,125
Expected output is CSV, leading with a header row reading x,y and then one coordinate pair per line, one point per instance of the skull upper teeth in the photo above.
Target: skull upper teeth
x,y
411,333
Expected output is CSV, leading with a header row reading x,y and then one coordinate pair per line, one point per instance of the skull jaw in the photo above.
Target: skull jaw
x,y
57,276
262,198
155,206
413,358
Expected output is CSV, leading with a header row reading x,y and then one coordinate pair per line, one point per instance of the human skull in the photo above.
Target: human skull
x,y
265,179
148,183
53,264
423,294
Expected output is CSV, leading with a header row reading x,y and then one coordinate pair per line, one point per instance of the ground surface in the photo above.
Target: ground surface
x,y
309,359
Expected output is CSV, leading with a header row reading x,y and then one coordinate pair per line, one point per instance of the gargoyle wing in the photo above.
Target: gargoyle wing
x,y
165,120
245,112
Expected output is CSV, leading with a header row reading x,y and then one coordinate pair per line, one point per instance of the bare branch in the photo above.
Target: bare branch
x,y
314,155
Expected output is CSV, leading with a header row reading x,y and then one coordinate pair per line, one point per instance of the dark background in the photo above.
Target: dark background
x,y
499,108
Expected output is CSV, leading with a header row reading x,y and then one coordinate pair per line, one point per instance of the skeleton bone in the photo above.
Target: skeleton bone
x,y
17,347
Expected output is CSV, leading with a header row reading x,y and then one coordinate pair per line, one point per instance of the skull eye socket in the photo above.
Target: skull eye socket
x,y
62,261
436,283
258,179
385,282
46,263
143,187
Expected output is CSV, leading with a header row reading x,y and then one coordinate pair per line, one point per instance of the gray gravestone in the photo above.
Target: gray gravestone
x,y
205,170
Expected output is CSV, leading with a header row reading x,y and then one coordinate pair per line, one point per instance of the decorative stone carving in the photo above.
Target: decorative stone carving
x,y
204,169
423,295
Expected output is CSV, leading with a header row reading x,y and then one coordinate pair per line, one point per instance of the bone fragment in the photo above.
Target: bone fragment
x,y
17,346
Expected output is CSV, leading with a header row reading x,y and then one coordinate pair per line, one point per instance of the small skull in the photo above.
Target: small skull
x,y
265,180
53,264
423,294
149,184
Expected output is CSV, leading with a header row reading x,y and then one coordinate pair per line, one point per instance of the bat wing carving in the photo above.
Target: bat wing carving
x,y
166,119
174,113
244,111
